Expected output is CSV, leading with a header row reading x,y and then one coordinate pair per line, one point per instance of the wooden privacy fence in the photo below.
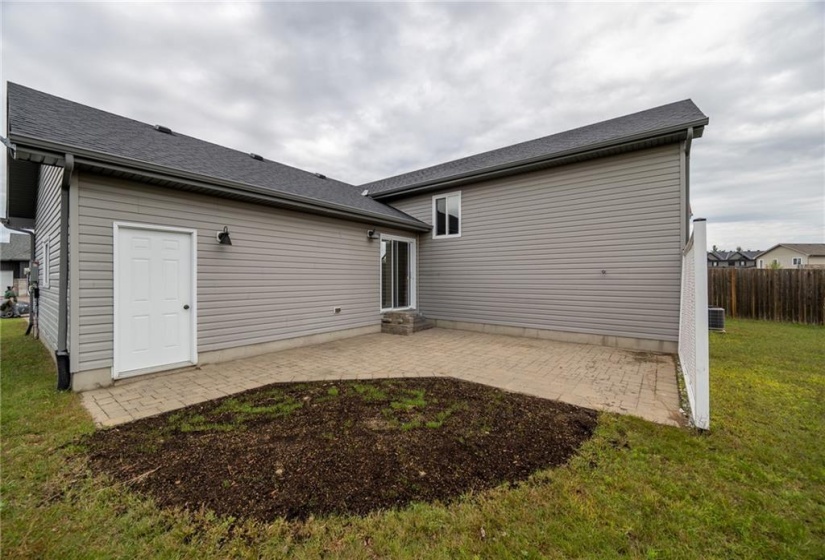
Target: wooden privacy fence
x,y
796,295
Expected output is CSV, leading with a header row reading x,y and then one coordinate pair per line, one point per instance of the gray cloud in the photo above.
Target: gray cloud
x,y
364,91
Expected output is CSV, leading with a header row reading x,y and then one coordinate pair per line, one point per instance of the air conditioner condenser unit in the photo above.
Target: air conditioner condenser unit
x,y
716,319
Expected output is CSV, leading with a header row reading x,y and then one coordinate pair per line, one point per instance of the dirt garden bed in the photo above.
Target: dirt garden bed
x,y
297,450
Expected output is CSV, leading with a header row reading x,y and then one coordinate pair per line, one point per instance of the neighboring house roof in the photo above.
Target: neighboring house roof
x,y
731,255
55,124
17,249
807,249
660,121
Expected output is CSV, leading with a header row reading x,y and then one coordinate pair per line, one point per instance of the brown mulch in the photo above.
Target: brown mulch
x,y
345,447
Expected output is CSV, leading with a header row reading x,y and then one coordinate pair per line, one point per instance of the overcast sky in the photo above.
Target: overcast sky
x,y
364,91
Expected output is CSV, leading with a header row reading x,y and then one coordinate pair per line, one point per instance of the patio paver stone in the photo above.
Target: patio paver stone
x,y
639,384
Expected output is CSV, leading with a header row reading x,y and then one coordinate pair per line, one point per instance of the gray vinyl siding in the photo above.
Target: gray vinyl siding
x,y
280,279
47,229
533,247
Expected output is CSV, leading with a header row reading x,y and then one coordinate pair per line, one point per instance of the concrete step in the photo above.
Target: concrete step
x,y
422,323
404,322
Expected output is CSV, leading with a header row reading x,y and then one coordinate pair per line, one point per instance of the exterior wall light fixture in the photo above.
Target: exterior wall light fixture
x,y
223,236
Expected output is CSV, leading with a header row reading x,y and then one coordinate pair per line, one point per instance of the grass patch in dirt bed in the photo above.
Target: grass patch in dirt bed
x,y
307,449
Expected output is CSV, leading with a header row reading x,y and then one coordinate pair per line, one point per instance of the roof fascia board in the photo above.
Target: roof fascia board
x,y
141,168
520,165
39,156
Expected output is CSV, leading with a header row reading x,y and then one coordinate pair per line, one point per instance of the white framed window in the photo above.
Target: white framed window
x,y
45,264
797,261
447,215
760,263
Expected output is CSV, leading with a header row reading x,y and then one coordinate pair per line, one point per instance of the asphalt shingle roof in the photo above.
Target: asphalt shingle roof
x,y
650,122
34,114
810,249
17,249
727,255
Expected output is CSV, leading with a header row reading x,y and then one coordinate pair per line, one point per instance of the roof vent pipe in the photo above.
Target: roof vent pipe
x,y
320,176
163,129
256,156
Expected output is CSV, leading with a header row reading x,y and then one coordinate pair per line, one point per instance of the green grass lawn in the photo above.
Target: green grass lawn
x,y
754,487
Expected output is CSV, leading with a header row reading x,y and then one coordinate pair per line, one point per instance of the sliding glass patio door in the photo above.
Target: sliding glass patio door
x,y
397,273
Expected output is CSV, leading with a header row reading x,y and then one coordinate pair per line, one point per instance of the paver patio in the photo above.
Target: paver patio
x,y
637,383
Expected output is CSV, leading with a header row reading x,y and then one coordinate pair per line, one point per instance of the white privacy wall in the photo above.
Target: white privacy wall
x,y
693,326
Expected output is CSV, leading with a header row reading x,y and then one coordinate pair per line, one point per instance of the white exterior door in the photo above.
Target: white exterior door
x,y
154,300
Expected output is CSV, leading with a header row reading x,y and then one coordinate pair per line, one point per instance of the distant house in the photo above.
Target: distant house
x,y
14,259
717,259
732,259
793,255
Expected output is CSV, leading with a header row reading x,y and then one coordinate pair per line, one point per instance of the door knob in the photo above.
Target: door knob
x,y
186,307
